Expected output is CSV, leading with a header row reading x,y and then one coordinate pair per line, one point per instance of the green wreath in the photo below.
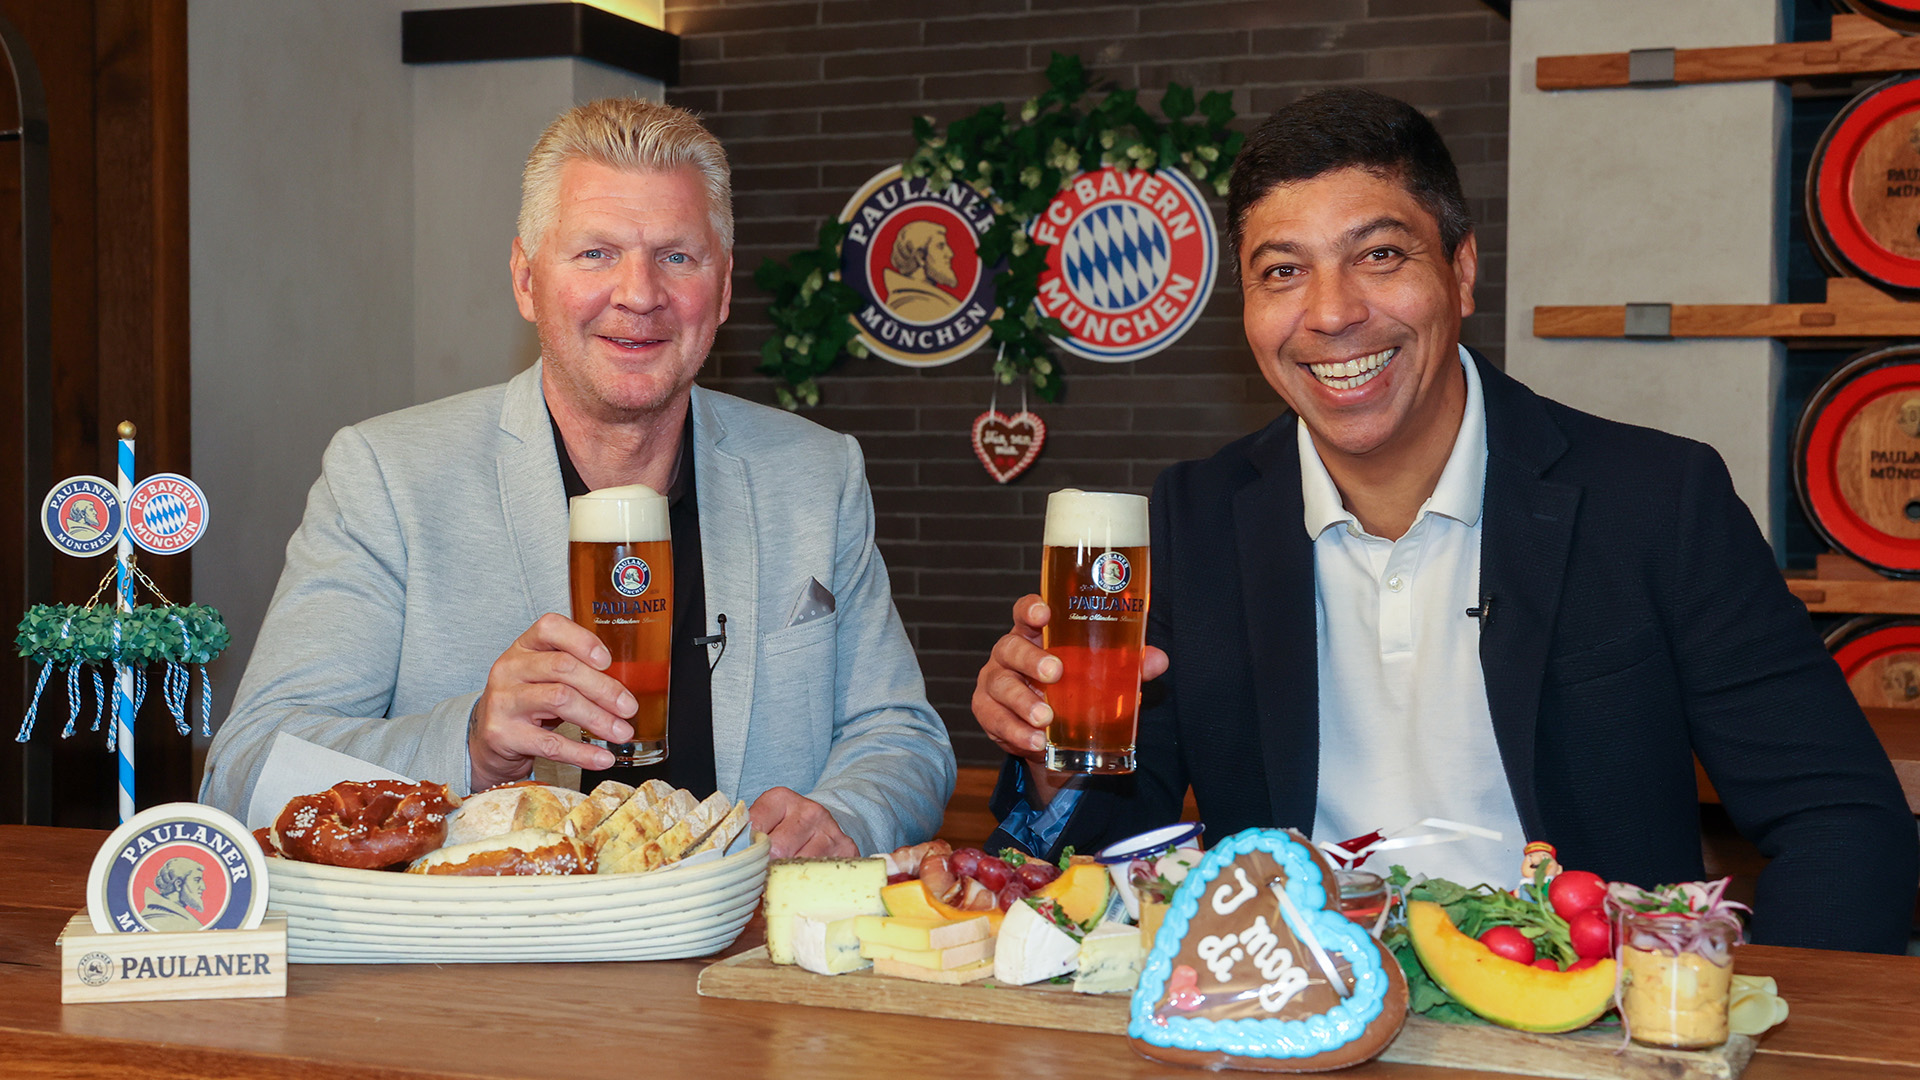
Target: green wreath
x,y
91,637
1020,164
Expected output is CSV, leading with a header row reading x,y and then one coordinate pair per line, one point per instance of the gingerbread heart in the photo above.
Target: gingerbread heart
x,y
1007,445
1241,976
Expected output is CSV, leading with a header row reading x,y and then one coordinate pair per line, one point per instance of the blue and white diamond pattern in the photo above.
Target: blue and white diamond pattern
x,y
166,513
1115,256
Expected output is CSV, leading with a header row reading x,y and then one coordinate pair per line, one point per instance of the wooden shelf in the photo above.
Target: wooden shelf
x,y
1841,586
1859,46
1853,309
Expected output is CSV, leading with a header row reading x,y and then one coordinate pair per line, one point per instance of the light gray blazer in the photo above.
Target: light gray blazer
x,y
436,535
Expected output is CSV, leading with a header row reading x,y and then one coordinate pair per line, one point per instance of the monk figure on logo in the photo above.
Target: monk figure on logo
x,y
181,884
922,262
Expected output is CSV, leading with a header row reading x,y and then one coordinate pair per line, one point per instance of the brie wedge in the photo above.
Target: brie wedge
x,y
1031,948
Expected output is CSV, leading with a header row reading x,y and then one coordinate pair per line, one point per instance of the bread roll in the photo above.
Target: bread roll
x,y
527,852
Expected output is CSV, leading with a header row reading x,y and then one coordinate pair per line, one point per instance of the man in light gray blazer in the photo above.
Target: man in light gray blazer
x,y
417,622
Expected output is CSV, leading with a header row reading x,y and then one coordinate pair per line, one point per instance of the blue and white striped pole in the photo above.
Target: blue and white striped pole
x,y
123,554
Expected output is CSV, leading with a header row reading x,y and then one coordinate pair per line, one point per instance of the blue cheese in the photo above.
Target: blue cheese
x,y
1032,948
1110,959
828,946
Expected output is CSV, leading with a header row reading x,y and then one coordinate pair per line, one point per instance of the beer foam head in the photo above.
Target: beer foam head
x,y
618,515
1101,519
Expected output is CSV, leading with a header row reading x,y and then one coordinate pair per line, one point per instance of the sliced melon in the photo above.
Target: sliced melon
x,y
912,900
1504,991
1080,890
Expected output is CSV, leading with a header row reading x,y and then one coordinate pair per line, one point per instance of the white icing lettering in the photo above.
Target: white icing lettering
x,y
1213,951
1225,904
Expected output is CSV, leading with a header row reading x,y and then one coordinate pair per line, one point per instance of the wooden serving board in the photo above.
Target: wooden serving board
x,y
1584,1055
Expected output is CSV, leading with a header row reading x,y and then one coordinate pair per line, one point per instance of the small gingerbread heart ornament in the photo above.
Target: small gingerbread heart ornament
x,y
1256,968
1007,445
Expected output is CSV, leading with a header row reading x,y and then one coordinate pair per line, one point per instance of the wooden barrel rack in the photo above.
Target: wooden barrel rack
x,y
1880,656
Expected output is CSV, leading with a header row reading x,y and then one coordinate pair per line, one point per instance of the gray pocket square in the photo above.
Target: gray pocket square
x,y
815,602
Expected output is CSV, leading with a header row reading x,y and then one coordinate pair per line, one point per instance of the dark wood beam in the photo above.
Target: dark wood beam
x,y
536,31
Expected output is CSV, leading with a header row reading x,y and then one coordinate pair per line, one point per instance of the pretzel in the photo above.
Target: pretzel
x,y
365,825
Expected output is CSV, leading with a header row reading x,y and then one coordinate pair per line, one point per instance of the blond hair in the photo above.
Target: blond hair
x,y
628,134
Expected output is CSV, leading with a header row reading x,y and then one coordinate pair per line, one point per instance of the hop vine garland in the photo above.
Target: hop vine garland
x,y
1020,163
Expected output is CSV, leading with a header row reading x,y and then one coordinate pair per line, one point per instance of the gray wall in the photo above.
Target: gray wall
x,y
351,220
1651,195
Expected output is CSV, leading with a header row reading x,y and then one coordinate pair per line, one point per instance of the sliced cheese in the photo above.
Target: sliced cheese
x,y
907,932
815,886
1109,960
1031,948
951,976
955,957
828,946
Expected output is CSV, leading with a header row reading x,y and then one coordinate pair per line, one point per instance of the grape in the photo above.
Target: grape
x,y
991,872
965,860
1035,874
1015,891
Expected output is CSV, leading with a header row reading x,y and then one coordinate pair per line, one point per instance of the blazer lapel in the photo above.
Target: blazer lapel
x,y
533,503
1276,576
730,561
532,499
1524,545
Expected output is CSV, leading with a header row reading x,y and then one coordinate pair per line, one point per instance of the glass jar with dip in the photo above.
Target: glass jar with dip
x,y
1676,962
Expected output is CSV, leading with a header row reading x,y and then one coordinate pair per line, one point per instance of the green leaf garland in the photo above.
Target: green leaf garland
x,y
1020,163
69,634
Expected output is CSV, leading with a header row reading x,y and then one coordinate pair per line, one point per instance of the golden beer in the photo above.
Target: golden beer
x,y
620,568
1094,578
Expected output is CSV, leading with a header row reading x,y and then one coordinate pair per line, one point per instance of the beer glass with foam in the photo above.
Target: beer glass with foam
x,y
1094,575
620,567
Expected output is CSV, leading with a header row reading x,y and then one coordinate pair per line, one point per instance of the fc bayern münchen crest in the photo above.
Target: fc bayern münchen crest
x,y
912,253
81,515
166,513
631,576
1132,257
179,866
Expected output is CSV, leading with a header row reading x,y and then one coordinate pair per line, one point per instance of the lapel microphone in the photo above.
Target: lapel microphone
x,y
1483,611
719,639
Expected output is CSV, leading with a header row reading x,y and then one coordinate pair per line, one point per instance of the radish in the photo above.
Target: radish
x,y
1591,934
1508,942
1575,891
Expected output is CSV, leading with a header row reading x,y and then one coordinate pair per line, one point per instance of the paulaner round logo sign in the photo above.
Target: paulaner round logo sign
x,y
1131,260
912,253
631,576
180,866
81,515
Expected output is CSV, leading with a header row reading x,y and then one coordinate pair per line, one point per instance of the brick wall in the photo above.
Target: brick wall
x,y
813,98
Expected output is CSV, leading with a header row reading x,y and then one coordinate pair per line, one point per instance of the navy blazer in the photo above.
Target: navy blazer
x,y
1635,618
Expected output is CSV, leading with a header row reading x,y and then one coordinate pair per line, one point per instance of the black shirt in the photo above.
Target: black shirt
x,y
689,761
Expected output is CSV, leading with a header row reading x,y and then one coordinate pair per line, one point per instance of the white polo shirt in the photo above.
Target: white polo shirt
x,y
1405,732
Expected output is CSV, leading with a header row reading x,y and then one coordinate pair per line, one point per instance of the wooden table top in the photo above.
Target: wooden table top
x,y
1853,1017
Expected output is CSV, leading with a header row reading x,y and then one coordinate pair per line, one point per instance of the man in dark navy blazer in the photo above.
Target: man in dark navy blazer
x,y
1624,611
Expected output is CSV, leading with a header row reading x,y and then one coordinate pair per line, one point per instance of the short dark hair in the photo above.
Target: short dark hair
x,y
1348,127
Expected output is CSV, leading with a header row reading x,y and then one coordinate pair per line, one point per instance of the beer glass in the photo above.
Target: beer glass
x,y
1094,573
620,568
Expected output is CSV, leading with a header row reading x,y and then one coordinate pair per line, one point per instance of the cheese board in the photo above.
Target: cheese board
x,y
1592,1054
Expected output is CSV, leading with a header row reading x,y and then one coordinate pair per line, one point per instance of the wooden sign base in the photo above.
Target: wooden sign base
x,y
96,967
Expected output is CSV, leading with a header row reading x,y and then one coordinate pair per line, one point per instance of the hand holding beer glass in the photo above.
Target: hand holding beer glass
x,y
620,568
1094,579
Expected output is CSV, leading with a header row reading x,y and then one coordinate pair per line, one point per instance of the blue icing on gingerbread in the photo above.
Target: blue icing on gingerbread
x,y
1337,1027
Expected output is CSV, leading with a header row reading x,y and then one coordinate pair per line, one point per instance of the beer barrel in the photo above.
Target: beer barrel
x,y
1856,459
1899,14
1880,656
1863,187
